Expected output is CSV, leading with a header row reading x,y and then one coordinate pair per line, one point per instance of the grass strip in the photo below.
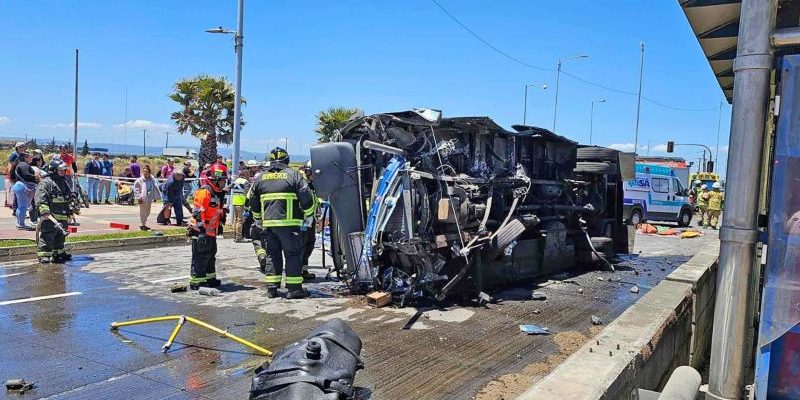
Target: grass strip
x,y
4,243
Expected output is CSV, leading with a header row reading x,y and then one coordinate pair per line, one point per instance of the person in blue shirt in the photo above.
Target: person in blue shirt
x,y
104,187
92,169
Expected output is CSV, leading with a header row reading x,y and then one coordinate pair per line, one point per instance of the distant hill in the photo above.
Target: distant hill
x,y
116,148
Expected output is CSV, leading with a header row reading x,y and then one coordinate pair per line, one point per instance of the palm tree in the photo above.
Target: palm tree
x,y
206,112
331,120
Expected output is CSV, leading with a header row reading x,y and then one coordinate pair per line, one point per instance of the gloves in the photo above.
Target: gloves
x,y
246,214
308,222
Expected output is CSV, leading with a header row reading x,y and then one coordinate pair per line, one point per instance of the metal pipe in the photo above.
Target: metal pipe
x,y
683,384
738,235
368,144
785,37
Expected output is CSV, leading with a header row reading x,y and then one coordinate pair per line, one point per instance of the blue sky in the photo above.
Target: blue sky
x,y
303,56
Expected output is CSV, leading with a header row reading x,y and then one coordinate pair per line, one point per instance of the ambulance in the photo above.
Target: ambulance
x,y
656,194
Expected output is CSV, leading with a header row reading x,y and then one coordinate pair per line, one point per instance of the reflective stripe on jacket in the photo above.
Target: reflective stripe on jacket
x,y
281,197
239,191
53,196
715,199
207,208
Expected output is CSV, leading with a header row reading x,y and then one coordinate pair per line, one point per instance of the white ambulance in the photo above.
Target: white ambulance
x,y
656,194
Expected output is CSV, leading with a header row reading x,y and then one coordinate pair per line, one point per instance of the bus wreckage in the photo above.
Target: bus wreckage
x,y
425,206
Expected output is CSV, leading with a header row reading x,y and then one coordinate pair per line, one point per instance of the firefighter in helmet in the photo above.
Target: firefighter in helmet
x,y
207,213
52,200
279,200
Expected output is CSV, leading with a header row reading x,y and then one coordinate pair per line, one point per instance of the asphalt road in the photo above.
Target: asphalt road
x,y
64,344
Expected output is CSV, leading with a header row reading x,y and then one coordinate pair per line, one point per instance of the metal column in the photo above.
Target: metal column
x,y
739,230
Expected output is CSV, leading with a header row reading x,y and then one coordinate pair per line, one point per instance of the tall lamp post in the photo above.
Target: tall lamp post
x,y
525,106
558,78
591,117
238,40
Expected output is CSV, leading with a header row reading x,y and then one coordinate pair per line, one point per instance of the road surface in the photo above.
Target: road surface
x,y
56,318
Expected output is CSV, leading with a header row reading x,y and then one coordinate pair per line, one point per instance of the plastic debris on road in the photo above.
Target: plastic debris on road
x,y
538,296
531,329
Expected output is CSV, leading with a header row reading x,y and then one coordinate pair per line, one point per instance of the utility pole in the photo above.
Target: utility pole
x,y
75,116
639,100
525,103
144,142
719,125
167,144
286,144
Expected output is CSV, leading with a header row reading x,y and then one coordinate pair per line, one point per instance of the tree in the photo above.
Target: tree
x,y
51,147
206,112
85,148
331,120
32,144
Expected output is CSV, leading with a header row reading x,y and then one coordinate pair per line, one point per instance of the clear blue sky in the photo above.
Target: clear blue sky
x,y
303,56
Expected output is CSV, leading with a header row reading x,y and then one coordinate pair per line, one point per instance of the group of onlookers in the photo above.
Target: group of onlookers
x,y
24,169
99,173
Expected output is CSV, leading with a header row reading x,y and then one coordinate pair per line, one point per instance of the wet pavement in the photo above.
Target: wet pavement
x,y
56,320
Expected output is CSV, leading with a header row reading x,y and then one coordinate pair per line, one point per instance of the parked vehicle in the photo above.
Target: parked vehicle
x,y
656,194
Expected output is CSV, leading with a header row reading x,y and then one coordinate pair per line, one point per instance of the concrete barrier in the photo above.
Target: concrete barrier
x,y
23,252
668,327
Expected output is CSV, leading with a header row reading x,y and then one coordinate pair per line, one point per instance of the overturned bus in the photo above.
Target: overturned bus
x,y
425,206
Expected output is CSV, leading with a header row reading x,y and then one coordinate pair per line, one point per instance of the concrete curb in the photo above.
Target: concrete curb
x,y
24,252
668,327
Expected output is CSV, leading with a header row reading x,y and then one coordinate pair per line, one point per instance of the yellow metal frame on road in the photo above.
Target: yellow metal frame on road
x,y
182,319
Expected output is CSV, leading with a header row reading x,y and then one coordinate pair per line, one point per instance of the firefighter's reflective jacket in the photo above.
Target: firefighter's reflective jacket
x,y
280,196
53,197
207,208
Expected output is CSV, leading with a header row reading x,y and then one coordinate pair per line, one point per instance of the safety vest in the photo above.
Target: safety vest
x,y
715,199
209,208
239,192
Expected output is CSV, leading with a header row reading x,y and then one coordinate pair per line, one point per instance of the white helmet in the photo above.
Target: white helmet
x,y
697,182
251,163
716,185
704,187
308,163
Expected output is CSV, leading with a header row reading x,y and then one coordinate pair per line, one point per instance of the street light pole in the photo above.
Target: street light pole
x,y
558,78
638,101
525,107
75,119
591,118
166,145
238,40
144,142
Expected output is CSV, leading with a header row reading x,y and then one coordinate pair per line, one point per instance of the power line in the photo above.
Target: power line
x,y
586,81
491,46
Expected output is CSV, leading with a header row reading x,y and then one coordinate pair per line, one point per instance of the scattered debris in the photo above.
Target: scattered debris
x,y
531,329
580,290
178,287
599,278
561,276
538,296
635,289
158,233
596,320
379,299
208,291
19,386
537,311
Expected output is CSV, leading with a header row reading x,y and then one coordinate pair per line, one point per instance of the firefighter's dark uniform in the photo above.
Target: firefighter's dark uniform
x,y
279,201
53,197
310,233
259,245
206,216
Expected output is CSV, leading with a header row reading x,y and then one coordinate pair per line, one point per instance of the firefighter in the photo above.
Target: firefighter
x,y
702,204
715,199
695,192
52,200
239,190
308,229
279,201
207,214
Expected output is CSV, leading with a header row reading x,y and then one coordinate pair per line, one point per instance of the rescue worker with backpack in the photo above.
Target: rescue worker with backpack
x,y
279,201
207,212
715,199
52,200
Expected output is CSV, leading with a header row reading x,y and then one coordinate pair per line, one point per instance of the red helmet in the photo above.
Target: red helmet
x,y
217,175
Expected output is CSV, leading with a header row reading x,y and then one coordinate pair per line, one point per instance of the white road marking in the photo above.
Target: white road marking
x,y
176,278
29,299
10,275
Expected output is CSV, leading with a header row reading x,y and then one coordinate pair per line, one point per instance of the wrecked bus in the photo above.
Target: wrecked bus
x,y
426,207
